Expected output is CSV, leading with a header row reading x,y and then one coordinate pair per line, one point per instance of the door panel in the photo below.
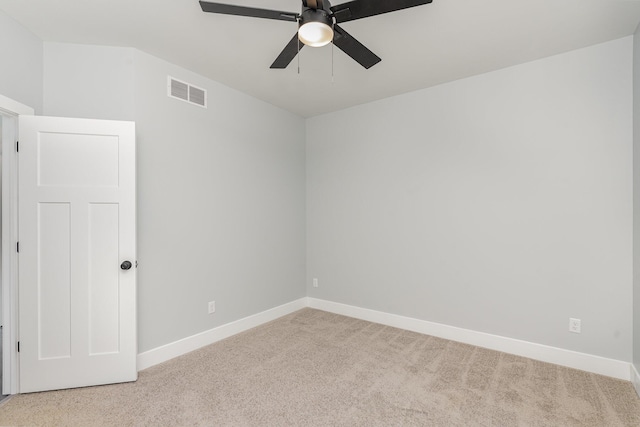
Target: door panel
x,y
54,280
103,278
89,160
76,226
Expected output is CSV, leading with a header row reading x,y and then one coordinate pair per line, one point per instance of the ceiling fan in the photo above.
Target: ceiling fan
x,y
318,24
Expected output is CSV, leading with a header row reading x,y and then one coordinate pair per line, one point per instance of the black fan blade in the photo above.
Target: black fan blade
x,y
288,53
358,9
229,9
354,48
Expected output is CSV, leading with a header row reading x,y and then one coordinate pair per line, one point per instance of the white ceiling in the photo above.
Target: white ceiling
x,y
419,47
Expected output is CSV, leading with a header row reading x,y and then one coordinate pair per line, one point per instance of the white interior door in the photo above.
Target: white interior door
x,y
77,300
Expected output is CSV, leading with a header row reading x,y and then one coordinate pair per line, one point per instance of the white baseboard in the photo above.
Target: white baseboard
x,y
635,379
194,342
572,359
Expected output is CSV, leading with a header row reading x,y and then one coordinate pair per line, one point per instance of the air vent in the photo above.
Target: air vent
x,y
198,96
184,91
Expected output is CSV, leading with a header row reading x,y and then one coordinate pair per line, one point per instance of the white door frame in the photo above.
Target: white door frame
x,y
9,112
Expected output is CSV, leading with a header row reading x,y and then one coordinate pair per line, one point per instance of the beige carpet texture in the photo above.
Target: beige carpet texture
x,y
313,368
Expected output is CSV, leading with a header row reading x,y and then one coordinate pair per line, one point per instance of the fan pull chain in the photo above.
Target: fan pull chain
x,y
298,44
332,80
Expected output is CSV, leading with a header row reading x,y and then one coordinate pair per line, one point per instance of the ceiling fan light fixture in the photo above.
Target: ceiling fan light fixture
x,y
316,28
318,23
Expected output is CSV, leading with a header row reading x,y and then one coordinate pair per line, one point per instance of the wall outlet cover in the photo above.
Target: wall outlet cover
x,y
574,325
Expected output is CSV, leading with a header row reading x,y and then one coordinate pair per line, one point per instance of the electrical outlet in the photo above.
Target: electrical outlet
x,y
212,307
574,325
315,282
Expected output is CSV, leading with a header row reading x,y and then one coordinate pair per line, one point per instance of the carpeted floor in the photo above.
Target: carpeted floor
x,y
313,368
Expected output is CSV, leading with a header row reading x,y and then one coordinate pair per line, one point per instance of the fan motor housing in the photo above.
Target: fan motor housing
x,y
315,15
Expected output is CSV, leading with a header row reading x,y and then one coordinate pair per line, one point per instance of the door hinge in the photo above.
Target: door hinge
x,y
18,247
17,146
18,346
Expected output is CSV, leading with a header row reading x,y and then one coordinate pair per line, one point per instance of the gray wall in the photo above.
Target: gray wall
x,y
21,69
500,203
220,190
220,205
636,199
87,81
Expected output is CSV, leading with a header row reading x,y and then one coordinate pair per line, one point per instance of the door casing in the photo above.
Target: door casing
x,y
9,112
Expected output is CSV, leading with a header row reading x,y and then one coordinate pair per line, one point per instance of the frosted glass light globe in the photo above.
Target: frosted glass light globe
x,y
315,34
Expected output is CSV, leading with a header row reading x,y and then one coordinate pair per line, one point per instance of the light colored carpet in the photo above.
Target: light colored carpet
x,y
312,368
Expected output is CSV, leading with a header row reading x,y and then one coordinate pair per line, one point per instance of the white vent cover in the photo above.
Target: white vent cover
x,y
184,91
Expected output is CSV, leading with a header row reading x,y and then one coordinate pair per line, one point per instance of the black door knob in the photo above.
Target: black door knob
x,y
125,265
